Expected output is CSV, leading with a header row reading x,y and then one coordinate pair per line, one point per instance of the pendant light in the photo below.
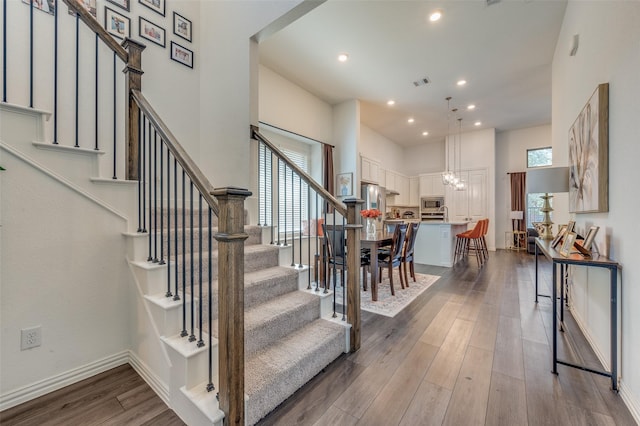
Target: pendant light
x,y
448,176
460,184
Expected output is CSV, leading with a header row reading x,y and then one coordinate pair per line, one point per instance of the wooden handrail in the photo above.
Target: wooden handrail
x,y
95,26
333,201
191,169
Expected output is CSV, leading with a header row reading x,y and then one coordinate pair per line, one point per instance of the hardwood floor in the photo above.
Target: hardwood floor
x,y
116,397
474,349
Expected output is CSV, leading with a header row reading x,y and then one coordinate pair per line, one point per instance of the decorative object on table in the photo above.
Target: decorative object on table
x,y
181,54
571,225
558,237
589,155
370,215
151,32
567,244
548,180
181,26
591,235
123,4
116,24
157,6
344,184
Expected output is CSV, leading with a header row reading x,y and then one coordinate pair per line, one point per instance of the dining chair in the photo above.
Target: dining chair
x,y
407,254
335,236
394,257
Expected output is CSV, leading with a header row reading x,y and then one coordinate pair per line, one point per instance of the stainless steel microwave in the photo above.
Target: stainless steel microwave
x,y
428,203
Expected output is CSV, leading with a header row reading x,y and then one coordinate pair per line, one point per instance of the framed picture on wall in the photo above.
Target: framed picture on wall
x,y
90,5
181,26
123,4
344,184
181,54
151,32
116,24
157,6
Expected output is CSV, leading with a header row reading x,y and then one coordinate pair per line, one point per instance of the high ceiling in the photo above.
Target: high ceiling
x,y
503,50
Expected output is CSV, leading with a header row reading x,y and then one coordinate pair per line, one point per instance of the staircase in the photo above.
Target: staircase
x,y
289,333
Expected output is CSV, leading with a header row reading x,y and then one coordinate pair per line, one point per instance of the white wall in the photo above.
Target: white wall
x,y
375,146
609,51
425,158
511,156
346,136
288,106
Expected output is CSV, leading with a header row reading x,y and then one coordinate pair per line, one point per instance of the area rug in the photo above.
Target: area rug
x,y
387,304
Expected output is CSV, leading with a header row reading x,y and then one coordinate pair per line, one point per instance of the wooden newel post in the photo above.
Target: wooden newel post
x,y
230,239
132,125
353,228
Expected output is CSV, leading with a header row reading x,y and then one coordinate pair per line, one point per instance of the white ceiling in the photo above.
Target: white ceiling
x,y
504,51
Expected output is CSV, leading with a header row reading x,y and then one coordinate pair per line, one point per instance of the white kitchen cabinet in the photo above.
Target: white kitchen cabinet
x,y
382,177
470,204
390,180
431,185
369,169
402,186
414,191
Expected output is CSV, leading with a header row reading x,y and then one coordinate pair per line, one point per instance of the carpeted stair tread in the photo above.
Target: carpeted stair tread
x,y
273,320
276,372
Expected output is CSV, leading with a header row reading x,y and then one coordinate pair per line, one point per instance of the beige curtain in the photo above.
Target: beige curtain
x,y
327,172
518,197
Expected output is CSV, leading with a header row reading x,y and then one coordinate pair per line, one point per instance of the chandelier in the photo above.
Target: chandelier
x,y
453,177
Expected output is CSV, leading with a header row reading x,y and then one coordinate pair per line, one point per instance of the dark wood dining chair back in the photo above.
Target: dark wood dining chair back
x,y
394,257
409,248
335,236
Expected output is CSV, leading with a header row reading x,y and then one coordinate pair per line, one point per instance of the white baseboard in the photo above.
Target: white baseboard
x,y
630,401
43,387
158,386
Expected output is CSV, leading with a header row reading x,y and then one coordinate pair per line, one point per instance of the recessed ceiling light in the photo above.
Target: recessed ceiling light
x,y
478,123
391,102
425,133
343,57
411,120
461,82
471,106
435,16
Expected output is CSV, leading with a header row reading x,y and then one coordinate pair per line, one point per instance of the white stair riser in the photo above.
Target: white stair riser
x,y
168,319
189,371
152,278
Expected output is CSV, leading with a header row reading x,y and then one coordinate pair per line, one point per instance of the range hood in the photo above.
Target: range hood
x,y
392,192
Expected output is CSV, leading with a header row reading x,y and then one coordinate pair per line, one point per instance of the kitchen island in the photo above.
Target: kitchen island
x,y
436,242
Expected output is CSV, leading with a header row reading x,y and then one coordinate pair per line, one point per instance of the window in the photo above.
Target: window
x,y
533,213
539,157
291,192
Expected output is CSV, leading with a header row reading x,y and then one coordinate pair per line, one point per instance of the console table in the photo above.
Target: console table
x,y
563,262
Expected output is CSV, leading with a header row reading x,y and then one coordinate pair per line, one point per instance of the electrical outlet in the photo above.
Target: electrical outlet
x,y
30,337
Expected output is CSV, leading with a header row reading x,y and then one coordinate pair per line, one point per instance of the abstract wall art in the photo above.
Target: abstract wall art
x,y
589,155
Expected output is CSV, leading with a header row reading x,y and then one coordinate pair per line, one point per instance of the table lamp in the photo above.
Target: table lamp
x,y
516,217
547,180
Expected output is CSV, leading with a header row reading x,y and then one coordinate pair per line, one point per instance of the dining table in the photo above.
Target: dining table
x,y
371,241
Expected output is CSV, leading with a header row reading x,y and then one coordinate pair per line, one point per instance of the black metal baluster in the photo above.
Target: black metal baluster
x,y
115,123
192,337
31,54
325,252
300,220
4,50
344,270
200,341
317,256
162,207
260,194
77,77
309,238
55,73
277,185
334,270
140,178
143,174
271,197
176,295
155,196
285,205
210,386
96,97
169,294
184,333
150,183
